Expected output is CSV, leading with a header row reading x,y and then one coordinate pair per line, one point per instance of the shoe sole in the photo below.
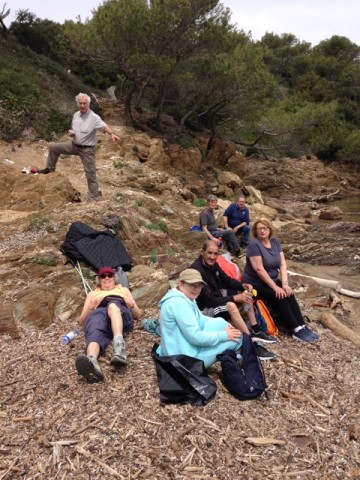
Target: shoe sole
x,y
258,339
86,368
117,361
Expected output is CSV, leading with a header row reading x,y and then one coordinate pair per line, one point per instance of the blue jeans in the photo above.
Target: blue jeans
x,y
229,238
243,235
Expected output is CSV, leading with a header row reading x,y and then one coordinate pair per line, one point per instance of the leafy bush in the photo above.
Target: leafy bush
x,y
47,261
351,150
154,258
41,223
29,93
118,164
154,226
199,202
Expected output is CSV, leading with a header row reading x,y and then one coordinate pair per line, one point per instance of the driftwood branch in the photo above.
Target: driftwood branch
x,y
335,301
324,198
328,320
335,285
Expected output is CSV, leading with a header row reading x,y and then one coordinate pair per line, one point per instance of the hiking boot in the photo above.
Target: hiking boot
x,y
119,354
88,367
262,336
45,171
262,353
312,333
303,335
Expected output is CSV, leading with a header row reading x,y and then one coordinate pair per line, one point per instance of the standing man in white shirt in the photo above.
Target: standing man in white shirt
x,y
82,142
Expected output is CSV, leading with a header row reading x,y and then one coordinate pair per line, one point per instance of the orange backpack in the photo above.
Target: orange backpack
x,y
264,318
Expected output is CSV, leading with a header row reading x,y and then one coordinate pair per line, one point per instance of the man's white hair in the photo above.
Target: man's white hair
x,y
88,99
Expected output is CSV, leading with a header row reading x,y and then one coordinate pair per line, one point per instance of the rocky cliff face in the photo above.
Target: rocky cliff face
x,y
148,187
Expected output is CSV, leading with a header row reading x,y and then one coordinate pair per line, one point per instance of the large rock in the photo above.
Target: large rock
x,y
35,306
219,151
186,160
148,285
331,213
253,195
231,182
258,210
237,164
28,192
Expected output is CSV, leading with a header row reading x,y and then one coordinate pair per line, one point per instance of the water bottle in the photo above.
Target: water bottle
x,y
239,359
221,242
66,339
247,305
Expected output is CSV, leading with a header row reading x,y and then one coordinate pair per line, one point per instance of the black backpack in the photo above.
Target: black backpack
x,y
246,380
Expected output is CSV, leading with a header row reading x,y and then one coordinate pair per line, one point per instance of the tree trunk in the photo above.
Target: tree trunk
x,y
160,106
128,102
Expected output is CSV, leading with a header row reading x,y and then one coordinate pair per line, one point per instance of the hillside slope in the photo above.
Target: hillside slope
x,y
53,425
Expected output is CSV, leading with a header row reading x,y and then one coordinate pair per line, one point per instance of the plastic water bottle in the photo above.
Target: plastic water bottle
x,y
247,305
69,337
239,359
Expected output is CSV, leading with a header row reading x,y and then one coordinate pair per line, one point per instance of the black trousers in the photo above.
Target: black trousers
x,y
286,310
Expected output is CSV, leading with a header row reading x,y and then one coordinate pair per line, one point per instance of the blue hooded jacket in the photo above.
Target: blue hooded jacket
x,y
185,330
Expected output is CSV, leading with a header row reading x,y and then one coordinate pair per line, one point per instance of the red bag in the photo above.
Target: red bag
x,y
229,267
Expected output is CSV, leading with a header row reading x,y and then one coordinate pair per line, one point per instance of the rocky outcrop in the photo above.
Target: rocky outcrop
x,y
149,188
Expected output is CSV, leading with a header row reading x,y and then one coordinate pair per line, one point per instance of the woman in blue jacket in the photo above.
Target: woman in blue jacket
x,y
185,330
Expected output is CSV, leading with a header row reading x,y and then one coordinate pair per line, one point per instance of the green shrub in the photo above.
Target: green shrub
x,y
118,164
40,223
161,226
88,274
47,261
199,202
154,258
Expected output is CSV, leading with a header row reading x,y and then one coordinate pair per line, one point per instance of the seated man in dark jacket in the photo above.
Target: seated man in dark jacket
x,y
225,306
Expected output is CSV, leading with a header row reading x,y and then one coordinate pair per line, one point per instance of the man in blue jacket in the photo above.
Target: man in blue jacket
x,y
237,217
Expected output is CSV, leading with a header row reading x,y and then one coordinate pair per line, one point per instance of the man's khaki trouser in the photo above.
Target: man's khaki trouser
x,y
87,156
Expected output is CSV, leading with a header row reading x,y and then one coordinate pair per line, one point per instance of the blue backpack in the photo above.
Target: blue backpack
x,y
244,378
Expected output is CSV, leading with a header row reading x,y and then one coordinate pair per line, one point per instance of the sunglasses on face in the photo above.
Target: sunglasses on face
x,y
106,275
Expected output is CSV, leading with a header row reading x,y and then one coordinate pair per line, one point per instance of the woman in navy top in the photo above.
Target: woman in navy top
x,y
265,259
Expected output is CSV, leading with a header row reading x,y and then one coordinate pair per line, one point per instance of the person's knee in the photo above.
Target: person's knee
x,y
231,308
113,309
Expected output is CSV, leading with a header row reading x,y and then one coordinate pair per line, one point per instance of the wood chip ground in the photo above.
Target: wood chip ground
x,y
53,425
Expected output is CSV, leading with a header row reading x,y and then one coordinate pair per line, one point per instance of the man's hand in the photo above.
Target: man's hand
x,y
247,286
244,297
114,137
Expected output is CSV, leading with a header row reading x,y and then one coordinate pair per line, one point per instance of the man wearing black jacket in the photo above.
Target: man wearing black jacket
x,y
214,295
